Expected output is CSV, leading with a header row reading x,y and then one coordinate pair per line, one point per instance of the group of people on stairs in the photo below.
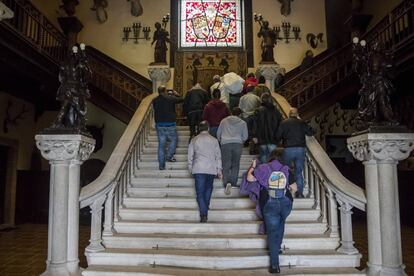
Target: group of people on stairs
x,y
217,137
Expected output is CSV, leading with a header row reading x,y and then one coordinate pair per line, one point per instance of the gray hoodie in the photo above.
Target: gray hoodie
x,y
232,130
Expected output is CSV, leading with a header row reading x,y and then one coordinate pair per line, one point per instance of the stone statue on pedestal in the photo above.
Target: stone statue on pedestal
x,y
74,76
161,39
268,42
372,65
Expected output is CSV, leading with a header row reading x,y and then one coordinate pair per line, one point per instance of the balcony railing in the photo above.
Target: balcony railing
x,y
393,31
36,29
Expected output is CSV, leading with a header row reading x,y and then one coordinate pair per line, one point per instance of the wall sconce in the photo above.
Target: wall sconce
x,y
286,28
136,32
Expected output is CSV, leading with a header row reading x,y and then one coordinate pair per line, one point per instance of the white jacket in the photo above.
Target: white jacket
x,y
204,155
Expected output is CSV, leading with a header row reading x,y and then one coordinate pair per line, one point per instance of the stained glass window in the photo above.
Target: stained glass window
x,y
211,23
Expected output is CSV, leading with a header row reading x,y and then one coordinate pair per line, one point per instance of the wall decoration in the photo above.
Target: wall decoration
x,y
334,121
12,119
99,6
216,23
313,40
202,66
285,8
137,30
136,8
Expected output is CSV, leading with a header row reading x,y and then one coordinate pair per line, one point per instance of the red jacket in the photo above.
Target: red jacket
x,y
214,112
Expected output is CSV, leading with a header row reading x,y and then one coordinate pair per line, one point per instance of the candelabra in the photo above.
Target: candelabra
x,y
137,30
286,28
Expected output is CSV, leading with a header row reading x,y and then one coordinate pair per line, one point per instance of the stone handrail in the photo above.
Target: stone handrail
x,y
118,156
108,190
329,188
342,186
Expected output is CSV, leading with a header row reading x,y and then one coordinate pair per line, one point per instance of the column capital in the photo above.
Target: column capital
x,y
160,72
73,147
5,12
270,71
381,146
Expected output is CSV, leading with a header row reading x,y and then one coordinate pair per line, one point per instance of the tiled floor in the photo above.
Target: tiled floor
x,y
23,250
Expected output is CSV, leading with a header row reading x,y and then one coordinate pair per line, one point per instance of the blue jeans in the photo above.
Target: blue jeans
x,y
295,155
264,151
275,213
163,134
204,188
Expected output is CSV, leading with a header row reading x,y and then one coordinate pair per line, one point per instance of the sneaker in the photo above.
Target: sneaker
x,y
172,159
203,218
227,191
162,168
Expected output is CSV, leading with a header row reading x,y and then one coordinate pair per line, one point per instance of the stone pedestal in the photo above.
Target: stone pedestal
x,y
270,71
5,12
380,153
65,154
160,74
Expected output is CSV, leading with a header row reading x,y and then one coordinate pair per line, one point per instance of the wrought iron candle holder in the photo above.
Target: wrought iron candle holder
x,y
286,28
138,32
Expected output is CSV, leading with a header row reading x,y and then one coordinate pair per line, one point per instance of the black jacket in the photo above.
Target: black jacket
x,y
195,100
164,108
267,120
292,133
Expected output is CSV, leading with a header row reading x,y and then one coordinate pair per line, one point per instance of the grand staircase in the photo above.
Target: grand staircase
x,y
155,229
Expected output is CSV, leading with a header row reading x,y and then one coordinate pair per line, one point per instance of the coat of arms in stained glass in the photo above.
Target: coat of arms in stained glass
x,y
211,23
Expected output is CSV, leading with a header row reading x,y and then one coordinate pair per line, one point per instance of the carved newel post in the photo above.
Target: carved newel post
x,y
270,72
65,154
380,153
160,74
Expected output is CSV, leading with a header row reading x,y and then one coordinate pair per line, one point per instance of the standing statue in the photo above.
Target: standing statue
x,y
268,42
136,8
74,77
372,65
285,8
161,37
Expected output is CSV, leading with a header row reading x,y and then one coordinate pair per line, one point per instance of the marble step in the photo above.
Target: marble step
x,y
186,127
146,182
176,173
152,157
180,132
191,203
153,138
217,242
212,228
219,259
177,192
182,165
180,150
224,215
107,270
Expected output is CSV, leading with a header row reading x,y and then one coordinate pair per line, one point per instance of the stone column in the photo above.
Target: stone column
x,y
160,74
5,12
65,154
270,71
380,153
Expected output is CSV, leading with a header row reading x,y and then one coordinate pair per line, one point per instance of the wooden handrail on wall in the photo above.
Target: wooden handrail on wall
x,y
118,81
393,31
